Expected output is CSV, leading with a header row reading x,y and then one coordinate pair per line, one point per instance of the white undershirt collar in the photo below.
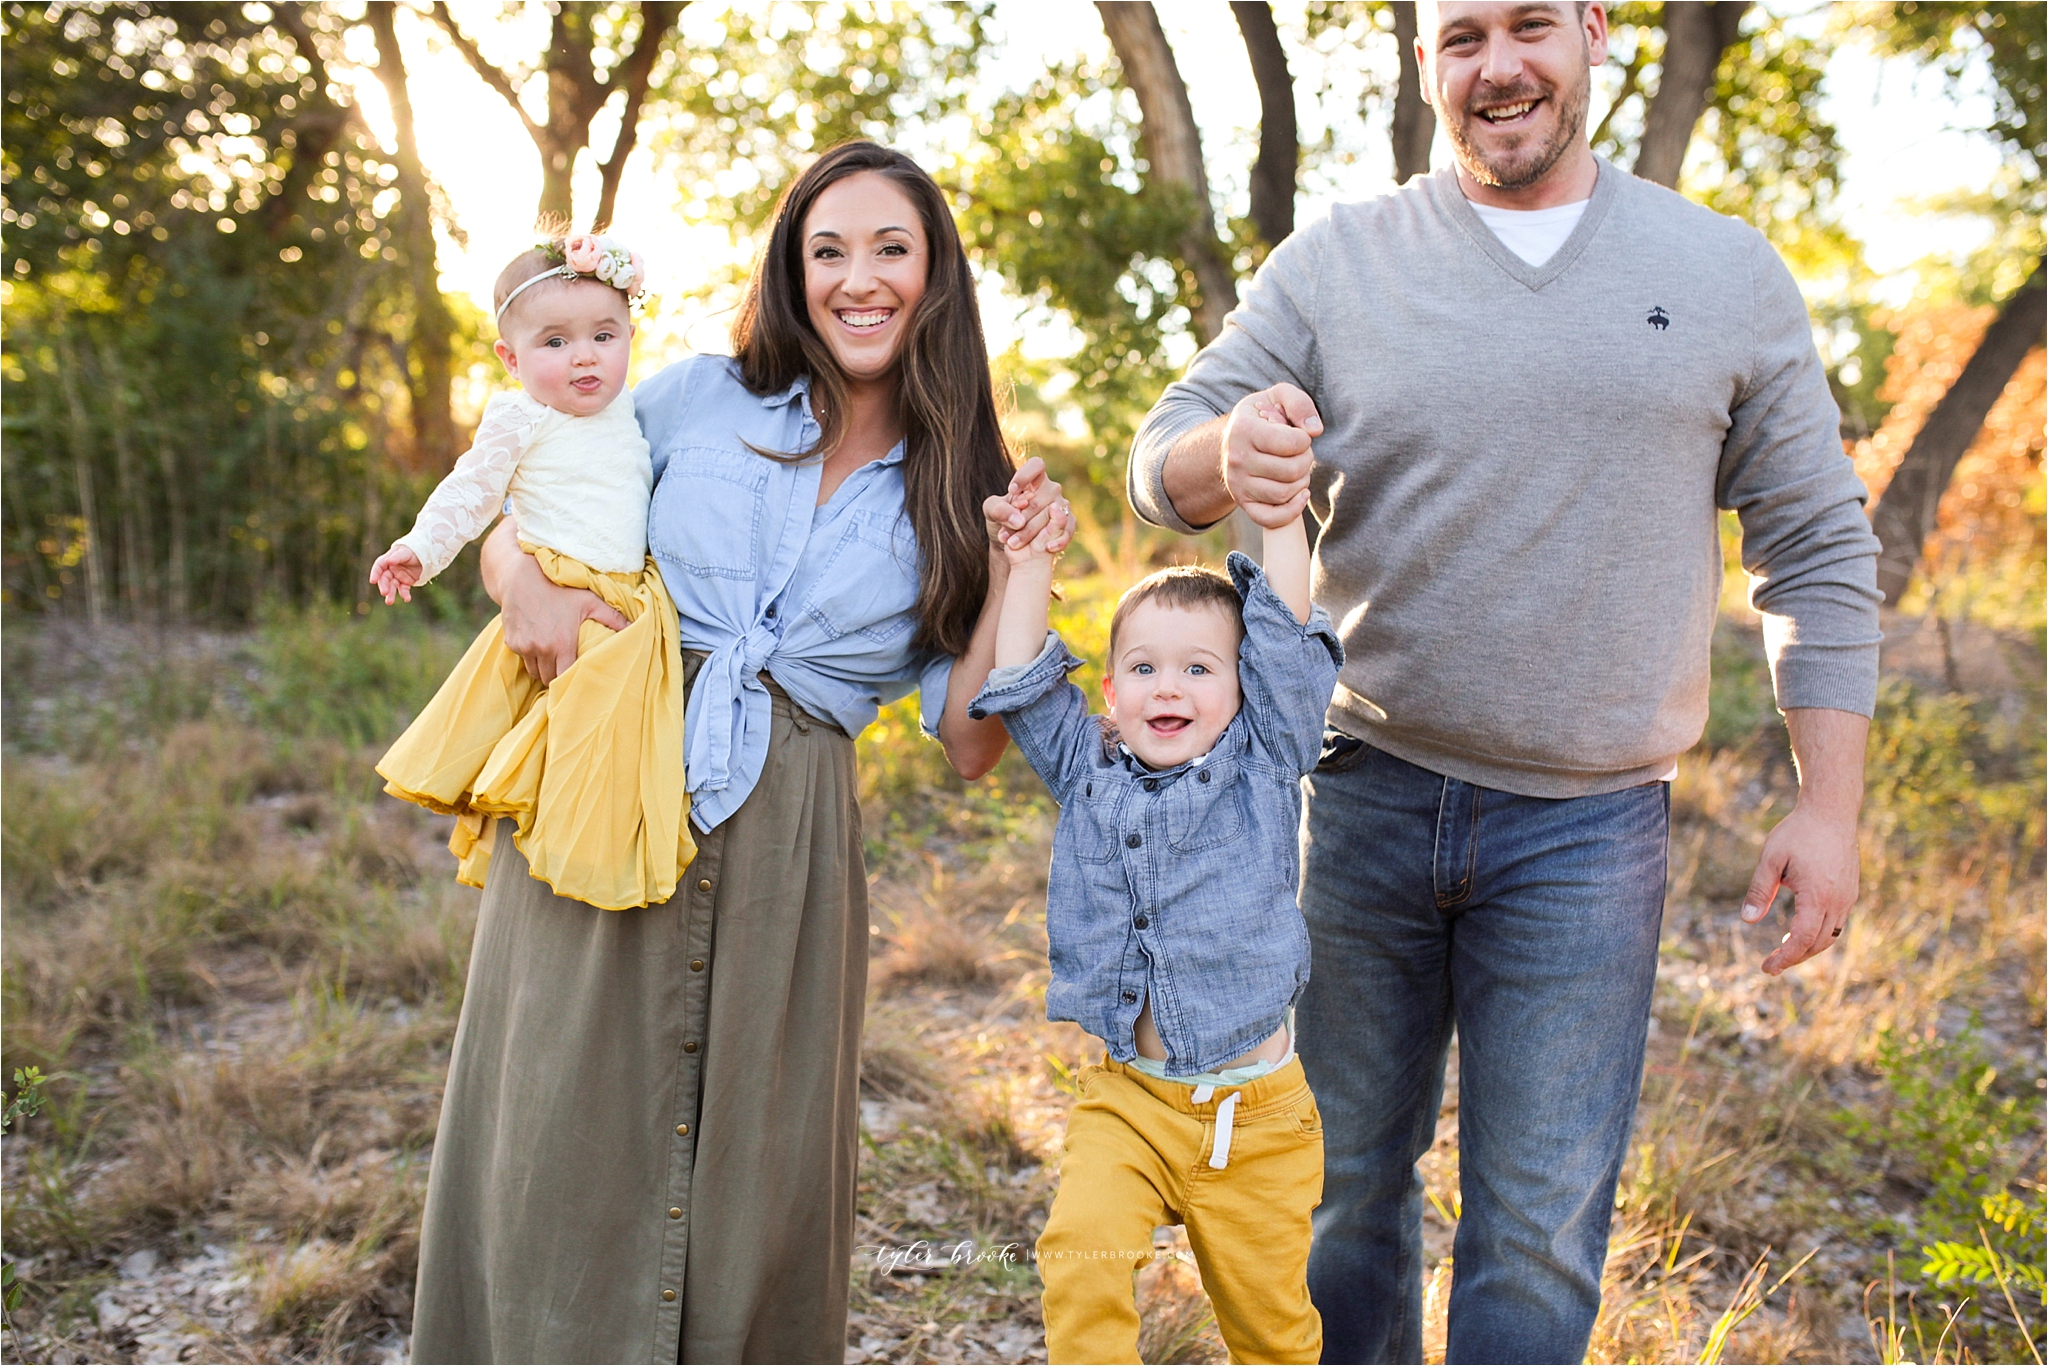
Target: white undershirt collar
x,y
1532,234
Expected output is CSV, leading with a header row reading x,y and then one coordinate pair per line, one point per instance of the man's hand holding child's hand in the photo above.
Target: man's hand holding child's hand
x,y
395,573
1267,455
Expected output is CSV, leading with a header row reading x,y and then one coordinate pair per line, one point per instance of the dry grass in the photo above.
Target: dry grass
x,y
243,968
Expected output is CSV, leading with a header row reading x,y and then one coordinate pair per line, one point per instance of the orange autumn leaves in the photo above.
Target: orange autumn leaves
x,y
1994,504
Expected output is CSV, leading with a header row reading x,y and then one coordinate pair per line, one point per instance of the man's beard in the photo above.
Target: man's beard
x,y
1523,167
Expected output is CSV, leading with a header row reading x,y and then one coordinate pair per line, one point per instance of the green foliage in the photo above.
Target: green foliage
x,y
204,314
357,678
1992,1262
1742,707
2010,40
1776,161
1942,779
1055,206
1771,158
27,1101
1944,1127
737,120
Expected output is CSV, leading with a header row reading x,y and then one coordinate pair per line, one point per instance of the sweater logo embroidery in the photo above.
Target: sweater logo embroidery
x,y
1658,318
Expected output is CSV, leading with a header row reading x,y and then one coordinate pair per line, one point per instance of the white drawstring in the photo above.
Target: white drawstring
x,y
1219,1155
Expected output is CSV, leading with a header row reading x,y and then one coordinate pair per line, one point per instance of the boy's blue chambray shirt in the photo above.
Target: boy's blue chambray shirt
x,y
1179,883
764,578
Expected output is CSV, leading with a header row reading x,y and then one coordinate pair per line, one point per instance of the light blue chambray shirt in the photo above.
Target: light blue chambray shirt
x,y
764,578
1179,884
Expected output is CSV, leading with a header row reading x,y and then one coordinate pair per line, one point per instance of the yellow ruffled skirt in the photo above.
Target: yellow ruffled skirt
x,y
589,768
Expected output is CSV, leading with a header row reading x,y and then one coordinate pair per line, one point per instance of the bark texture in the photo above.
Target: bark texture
x,y
1273,175
1173,146
429,363
575,93
1414,120
1905,516
1696,33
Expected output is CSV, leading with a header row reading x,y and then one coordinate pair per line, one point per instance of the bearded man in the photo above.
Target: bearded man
x,y
1519,390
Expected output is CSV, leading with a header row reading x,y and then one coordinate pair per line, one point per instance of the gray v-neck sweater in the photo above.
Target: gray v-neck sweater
x,y
1519,472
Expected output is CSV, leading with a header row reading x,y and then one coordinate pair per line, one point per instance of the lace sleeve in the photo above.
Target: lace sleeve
x,y
464,503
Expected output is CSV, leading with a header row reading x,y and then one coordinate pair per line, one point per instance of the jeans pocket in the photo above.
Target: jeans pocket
x,y
1341,752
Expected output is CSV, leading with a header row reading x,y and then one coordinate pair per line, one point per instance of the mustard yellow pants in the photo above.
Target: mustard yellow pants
x,y
1142,1152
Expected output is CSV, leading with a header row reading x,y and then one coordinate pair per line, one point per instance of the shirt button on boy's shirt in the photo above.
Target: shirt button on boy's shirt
x,y
1151,784
1141,922
1134,840
1130,998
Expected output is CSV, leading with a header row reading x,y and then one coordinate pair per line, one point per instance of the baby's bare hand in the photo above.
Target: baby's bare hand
x,y
395,574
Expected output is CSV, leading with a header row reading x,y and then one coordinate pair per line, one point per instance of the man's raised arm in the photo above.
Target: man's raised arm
x,y
1187,466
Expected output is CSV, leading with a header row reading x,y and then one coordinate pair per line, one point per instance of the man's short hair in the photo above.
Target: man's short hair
x,y
1185,586
1578,5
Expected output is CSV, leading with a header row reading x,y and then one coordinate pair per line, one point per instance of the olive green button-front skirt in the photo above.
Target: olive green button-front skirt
x,y
647,1146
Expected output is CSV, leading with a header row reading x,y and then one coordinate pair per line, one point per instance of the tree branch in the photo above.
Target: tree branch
x,y
1173,147
1696,33
1631,75
1273,175
1905,516
656,18
1414,121
492,77
433,423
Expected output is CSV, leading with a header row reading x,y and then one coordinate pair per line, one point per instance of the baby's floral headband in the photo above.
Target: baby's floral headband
x,y
598,258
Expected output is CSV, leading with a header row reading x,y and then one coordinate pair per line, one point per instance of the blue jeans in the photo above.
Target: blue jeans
x,y
1530,925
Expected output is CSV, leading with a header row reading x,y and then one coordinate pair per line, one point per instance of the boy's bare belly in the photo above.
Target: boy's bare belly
x,y
1150,1045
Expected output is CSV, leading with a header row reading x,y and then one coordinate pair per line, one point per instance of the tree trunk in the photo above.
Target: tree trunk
x,y
432,349
656,18
575,94
1696,32
177,597
1173,146
1414,120
1905,516
81,474
1273,175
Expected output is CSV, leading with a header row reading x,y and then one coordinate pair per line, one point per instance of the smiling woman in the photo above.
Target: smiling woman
x,y
647,1148
863,288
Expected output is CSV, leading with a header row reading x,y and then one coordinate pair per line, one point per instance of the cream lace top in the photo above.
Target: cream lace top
x,y
578,485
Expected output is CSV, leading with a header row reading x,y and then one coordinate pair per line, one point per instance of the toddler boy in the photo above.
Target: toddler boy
x,y
1175,937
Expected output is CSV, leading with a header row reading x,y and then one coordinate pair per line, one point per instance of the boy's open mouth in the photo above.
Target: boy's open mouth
x,y
586,384
1168,725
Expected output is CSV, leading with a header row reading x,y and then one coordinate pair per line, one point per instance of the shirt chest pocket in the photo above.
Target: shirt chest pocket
x,y
868,585
1095,839
707,511
1205,817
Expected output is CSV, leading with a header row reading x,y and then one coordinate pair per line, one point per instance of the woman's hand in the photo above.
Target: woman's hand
x,y
1051,539
542,618
1017,516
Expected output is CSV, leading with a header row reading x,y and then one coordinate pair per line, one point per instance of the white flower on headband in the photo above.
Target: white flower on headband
x,y
601,258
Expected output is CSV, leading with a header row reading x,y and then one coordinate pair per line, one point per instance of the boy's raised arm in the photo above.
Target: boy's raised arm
x,y
1020,629
1287,565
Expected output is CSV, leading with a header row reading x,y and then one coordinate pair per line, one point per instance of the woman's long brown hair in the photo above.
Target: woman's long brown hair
x,y
954,453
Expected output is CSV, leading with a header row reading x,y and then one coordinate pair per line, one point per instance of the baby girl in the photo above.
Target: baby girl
x,y
589,768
